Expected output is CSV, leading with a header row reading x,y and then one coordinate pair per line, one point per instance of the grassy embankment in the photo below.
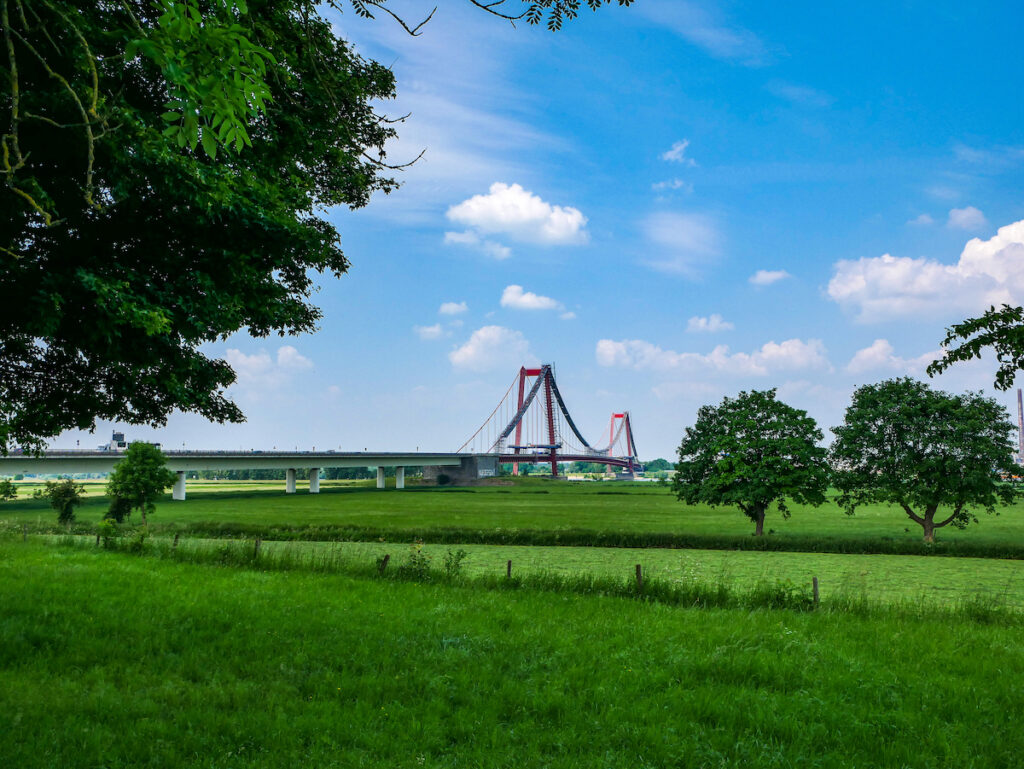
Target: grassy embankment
x,y
107,659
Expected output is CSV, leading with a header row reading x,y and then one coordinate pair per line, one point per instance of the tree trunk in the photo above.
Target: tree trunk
x,y
928,524
759,523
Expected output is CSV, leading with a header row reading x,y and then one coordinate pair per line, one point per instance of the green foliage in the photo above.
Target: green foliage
x,y
453,562
139,479
752,451
120,510
656,465
8,490
64,496
108,531
417,564
125,252
924,450
1002,330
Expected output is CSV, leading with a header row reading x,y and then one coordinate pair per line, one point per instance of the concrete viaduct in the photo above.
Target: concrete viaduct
x,y
91,461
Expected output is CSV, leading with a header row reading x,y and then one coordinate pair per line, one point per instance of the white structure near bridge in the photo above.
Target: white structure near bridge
x,y
181,462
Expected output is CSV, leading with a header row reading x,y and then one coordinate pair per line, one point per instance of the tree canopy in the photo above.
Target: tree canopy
x,y
139,480
752,451
933,453
64,496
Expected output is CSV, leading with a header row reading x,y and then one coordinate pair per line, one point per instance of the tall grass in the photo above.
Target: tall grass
x,y
413,566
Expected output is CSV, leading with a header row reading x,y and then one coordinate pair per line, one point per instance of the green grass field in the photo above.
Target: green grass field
x,y
535,504
112,660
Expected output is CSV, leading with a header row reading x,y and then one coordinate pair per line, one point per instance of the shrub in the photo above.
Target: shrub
x,y
453,562
417,565
64,495
443,479
120,509
108,532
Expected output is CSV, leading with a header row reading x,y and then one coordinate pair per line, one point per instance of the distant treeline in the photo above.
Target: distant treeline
x,y
327,474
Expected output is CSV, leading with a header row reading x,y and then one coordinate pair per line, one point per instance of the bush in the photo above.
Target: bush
x,y
8,490
64,495
108,532
120,509
417,565
443,479
453,562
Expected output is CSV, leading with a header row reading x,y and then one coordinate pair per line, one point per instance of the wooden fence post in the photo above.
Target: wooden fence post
x,y
814,586
24,533
97,539
508,570
256,549
384,562
639,579
175,545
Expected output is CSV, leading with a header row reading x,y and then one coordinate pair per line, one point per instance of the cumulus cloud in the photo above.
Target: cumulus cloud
x,y
767,277
677,153
681,241
790,355
514,297
924,220
453,308
261,371
969,218
469,238
492,347
429,332
710,324
517,213
989,272
880,356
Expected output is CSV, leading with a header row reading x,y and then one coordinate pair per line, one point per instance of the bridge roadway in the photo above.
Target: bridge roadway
x,y
69,461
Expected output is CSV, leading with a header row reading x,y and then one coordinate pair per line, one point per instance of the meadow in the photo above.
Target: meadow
x,y
202,653
108,659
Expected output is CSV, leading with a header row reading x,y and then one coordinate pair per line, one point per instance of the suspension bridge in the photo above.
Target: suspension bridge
x,y
531,425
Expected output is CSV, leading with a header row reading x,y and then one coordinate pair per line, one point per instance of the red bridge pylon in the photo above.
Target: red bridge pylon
x,y
546,434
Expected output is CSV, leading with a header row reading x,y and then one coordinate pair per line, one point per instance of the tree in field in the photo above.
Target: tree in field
x,y
165,166
934,454
64,496
8,490
139,479
752,451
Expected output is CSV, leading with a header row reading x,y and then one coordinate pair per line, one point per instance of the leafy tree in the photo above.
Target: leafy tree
x,y
925,450
752,451
8,490
1002,330
140,478
165,163
658,464
64,496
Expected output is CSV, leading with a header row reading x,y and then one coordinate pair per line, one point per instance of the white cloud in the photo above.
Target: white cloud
x,y
969,218
710,324
881,356
429,332
677,153
492,347
261,371
568,315
682,241
924,220
672,184
767,277
989,272
518,213
704,28
469,238
513,296
792,354
453,308
799,94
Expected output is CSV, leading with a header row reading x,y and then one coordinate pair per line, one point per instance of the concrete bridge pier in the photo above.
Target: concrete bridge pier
x,y
178,490
289,480
380,477
314,480
399,477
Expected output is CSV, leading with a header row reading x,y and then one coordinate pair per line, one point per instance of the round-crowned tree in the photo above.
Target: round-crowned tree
x,y
139,479
752,451
936,455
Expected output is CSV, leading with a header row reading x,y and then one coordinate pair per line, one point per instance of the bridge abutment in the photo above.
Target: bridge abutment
x,y
178,490
467,473
289,480
314,480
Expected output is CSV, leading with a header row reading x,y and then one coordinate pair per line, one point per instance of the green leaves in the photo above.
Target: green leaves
x,y
935,454
214,72
1002,330
752,451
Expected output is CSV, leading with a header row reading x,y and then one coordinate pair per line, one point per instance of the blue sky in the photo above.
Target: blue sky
x,y
671,202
